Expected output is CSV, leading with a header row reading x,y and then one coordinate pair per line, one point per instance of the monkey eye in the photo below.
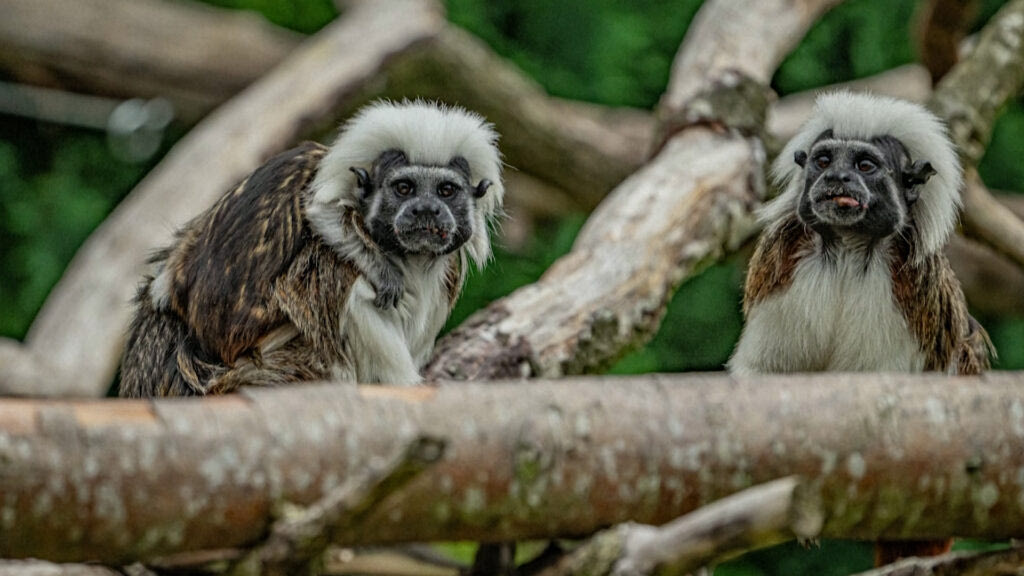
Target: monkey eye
x,y
866,166
822,161
446,189
403,188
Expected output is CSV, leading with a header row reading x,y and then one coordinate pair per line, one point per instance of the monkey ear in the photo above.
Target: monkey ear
x,y
481,188
362,180
913,176
800,157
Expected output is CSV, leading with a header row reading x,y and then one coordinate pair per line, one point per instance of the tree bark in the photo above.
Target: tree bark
x,y
192,54
894,456
81,328
970,98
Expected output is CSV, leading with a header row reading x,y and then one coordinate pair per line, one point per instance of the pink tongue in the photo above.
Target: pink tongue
x,y
847,201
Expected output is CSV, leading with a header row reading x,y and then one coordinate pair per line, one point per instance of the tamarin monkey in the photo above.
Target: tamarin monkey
x,y
338,262
849,274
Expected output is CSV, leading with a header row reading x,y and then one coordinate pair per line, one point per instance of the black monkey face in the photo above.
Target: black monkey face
x,y
419,209
859,187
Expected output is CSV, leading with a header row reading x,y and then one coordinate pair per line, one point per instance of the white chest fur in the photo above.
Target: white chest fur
x,y
835,316
390,346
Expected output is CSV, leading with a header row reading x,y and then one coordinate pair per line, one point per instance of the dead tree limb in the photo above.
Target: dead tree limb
x,y
756,517
194,55
81,327
894,456
969,98
688,206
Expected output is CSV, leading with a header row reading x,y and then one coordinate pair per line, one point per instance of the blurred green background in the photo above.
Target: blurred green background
x,y
57,183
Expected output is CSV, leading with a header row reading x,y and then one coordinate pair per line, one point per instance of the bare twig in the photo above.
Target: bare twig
x,y
756,517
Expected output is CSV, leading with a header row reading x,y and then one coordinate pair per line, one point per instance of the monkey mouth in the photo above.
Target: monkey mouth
x,y
841,200
425,237
845,201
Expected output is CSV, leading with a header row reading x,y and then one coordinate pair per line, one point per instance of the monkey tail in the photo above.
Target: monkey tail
x,y
162,358
889,551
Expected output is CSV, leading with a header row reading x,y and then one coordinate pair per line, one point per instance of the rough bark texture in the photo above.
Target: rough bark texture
x,y
970,98
90,304
894,456
973,94
194,55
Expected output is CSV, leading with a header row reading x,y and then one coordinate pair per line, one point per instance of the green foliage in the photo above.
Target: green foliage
x,y
832,558
56,185
616,53
306,16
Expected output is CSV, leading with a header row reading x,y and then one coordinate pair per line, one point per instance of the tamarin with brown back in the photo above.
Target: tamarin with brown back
x,y
325,263
849,273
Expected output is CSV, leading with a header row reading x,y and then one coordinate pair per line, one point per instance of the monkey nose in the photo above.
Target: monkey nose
x,y
426,210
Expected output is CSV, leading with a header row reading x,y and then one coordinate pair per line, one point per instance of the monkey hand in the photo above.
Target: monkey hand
x,y
390,288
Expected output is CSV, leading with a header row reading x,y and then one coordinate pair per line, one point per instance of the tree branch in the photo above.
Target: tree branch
x,y
298,540
894,456
192,54
974,92
82,324
756,517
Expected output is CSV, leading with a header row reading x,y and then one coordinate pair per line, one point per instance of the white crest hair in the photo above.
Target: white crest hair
x,y
864,116
428,133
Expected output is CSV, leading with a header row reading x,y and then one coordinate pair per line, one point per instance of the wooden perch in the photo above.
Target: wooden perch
x,y
81,328
192,54
690,205
899,456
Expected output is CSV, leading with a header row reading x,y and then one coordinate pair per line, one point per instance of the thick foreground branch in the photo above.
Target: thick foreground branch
x,y
898,456
90,304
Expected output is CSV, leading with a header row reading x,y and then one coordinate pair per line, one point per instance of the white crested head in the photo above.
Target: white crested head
x,y
866,116
428,133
